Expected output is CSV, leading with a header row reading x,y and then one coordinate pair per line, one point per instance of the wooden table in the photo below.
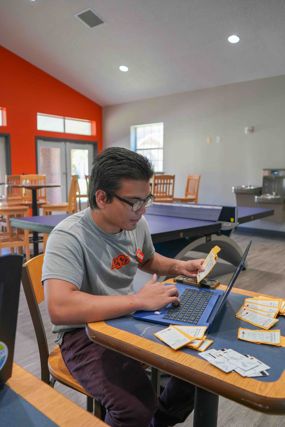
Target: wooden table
x,y
210,382
35,210
34,188
43,398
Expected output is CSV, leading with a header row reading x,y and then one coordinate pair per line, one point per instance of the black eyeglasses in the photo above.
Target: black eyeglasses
x,y
138,203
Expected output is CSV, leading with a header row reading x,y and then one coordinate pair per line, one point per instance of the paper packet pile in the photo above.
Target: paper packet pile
x,y
259,336
228,360
177,336
261,311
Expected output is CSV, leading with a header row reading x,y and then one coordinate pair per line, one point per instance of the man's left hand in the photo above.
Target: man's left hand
x,y
191,268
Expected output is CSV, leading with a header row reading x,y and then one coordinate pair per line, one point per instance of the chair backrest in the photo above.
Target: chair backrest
x,y
73,192
87,179
10,280
163,188
192,187
14,192
14,237
34,292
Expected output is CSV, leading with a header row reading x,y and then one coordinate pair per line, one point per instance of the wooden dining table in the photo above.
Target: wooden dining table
x,y
136,339
26,401
34,188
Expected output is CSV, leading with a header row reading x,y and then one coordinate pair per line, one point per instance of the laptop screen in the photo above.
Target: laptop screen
x,y
235,275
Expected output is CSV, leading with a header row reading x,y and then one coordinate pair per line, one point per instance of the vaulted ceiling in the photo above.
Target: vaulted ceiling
x,y
170,46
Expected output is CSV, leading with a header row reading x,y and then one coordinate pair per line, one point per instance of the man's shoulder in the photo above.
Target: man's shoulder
x,y
73,222
143,222
142,226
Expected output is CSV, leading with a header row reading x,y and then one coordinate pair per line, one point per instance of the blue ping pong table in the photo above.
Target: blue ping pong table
x,y
227,217
177,228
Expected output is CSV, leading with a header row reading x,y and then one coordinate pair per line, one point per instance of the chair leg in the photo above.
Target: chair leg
x,y
45,237
52,382
99,410
95,407
90,404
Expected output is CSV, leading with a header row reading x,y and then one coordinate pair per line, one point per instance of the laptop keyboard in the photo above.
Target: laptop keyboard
x,y
192,305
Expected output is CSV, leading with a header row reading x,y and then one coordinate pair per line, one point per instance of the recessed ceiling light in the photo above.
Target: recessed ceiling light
x,y
233,39
123,68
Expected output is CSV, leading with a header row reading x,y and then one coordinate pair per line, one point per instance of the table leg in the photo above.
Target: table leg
x,y
36,242
35,213
155,380
205,408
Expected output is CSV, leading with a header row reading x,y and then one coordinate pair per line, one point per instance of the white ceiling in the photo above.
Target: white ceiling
x,y
170,46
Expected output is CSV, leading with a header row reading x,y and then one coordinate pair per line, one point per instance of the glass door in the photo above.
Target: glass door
x,y
4,163
79,162
58,160
51,162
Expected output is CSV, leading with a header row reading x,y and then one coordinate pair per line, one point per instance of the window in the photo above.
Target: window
x,y
148,141
3,121
65,124
50,123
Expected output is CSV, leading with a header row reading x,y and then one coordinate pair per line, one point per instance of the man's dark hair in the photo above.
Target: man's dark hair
x,y
111,166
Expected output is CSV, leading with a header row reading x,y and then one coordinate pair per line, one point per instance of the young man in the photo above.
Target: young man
x,y
90,263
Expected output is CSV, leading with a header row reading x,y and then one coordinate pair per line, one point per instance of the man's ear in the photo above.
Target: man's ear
x,y
101,198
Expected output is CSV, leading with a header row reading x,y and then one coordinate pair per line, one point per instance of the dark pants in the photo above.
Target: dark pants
x,y
122,386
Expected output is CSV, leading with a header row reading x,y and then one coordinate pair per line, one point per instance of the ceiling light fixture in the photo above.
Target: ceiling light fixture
x,y
123,68
233,39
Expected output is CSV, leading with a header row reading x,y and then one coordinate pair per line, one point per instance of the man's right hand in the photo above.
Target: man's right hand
x,y
155,295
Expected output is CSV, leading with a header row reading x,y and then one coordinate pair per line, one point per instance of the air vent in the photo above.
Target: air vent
x,y
89,18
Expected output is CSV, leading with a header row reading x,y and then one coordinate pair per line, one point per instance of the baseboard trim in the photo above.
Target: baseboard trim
x,y
260,232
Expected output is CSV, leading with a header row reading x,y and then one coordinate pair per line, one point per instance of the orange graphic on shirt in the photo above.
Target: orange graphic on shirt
x,y
119,261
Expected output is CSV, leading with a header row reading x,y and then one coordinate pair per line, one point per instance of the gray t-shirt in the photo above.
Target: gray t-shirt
x,y
79,252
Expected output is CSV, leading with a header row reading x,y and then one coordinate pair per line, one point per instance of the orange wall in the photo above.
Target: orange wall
x,y
26,90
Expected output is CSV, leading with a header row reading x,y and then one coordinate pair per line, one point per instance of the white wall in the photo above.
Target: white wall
x,y
192,118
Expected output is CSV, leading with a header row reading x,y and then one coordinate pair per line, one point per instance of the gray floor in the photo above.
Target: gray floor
x,y
265,273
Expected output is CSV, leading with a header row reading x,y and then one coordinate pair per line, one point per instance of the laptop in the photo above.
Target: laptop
x,y
10,280
198,306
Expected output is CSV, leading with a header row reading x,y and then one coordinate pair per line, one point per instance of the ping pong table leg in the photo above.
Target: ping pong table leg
x,y
231,251
205,408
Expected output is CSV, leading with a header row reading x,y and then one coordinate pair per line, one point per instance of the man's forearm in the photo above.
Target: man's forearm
x,y
78,307
67,305
162,265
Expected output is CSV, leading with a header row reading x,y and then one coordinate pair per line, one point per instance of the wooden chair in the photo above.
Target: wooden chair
x,y
83,196
10,237
53,367
163,188
68,207
87,179
191,190
13,193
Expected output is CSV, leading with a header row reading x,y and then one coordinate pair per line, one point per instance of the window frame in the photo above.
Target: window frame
x,y
3,117
134,145
65,121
